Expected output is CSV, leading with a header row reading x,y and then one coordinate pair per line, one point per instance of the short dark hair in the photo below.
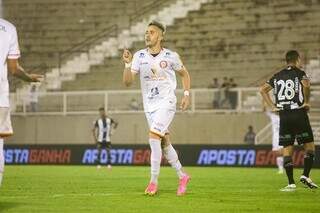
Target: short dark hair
x,y
292,56
101,109
158,24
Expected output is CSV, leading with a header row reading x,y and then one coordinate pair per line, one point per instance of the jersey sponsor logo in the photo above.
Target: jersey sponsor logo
x,y
163,64
3,28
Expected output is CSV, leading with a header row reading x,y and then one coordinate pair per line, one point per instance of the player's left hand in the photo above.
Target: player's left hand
x,y
36,77
306,106
185,102
275,109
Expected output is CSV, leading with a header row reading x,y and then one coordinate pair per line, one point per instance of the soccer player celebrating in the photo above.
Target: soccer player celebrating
x,y
9,55
291,88
102,135
157,67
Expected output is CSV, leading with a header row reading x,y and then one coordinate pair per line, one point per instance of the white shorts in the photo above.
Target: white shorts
x,y
5,122
160,120
275,125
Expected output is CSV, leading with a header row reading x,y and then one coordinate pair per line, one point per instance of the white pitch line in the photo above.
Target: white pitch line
x,y
71,195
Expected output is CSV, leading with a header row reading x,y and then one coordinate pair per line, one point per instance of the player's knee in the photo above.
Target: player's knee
x,y
154,135
309,154
165,141
309,147
287,150
287,161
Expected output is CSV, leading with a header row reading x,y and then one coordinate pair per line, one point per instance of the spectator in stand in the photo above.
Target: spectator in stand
x,y
216,94
33,96
250,136
214,84
224,94
233,95
134,105
232,83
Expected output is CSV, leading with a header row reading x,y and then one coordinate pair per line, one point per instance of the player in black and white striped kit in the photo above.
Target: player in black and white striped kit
x,y
102,131
291,88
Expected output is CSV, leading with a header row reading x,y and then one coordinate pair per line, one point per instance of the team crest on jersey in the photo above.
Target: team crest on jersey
x,y
141,55
163,64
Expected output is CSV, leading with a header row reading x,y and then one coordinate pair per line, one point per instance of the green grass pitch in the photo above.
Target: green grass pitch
x,y
85,189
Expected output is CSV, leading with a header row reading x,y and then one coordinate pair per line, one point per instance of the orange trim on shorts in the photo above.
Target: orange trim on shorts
x,y
156,132
5,135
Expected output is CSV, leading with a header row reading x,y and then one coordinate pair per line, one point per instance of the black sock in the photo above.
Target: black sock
x,y
99,157
308,163
109,157
288,165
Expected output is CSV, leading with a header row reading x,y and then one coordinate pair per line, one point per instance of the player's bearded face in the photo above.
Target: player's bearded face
x,y
153,36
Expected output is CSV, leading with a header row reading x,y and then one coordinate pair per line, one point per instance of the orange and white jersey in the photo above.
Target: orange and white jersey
x,y
157,78
9,49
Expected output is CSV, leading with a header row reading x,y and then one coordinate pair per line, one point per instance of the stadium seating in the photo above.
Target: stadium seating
x,y
47,27
241,39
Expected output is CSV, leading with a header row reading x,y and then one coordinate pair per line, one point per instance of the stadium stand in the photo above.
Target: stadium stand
x,y
48,28
241,39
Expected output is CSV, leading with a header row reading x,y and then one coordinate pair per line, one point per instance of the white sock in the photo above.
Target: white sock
x,y
1,160
280,163
156,155
172,157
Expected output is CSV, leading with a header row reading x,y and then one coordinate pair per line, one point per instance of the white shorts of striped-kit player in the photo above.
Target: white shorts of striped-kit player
x,y
5,122
275,124
160,120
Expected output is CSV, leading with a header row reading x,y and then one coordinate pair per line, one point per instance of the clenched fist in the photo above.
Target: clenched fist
x,y
126,56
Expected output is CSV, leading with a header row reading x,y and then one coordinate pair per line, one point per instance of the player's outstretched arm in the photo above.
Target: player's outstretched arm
x,y
128,76
185,102
264,91
16,70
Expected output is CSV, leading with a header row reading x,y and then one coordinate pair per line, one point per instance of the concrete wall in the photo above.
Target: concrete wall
x,y
1,9
186,128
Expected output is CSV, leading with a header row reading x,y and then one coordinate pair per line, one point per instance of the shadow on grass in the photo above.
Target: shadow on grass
x,y
7,205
